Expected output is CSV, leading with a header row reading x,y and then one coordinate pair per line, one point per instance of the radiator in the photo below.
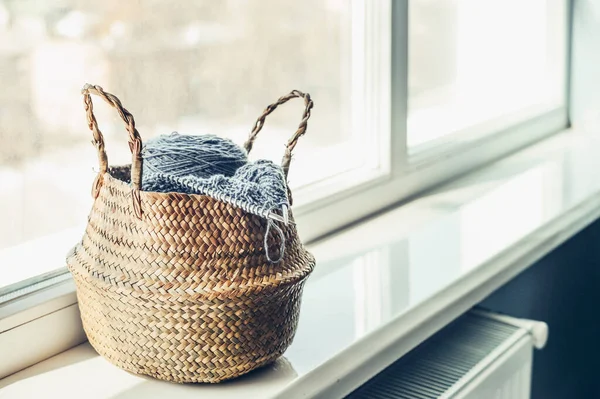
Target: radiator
x,y
481,355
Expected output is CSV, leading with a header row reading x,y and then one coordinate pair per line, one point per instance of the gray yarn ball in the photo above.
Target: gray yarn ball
x,y
199,156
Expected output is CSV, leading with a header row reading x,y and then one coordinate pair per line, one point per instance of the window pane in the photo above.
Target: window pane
x,y
473,62
196,67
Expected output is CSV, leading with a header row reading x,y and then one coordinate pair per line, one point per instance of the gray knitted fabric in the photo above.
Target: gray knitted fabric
x,y
219,168
216,167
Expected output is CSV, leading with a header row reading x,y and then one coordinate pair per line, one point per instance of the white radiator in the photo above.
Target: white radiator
x,y
481,355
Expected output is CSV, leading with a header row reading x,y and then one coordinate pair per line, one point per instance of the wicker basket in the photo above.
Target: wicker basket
x,y
178,286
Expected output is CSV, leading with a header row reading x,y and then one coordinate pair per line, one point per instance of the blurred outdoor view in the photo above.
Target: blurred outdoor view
x,y
196,67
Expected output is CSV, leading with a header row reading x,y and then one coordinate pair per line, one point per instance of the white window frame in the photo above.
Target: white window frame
x,y
381,78
401,176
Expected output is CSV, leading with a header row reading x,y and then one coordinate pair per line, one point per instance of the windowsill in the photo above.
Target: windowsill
x,y
382,287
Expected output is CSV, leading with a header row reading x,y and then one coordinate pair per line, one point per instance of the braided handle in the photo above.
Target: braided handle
x,y
291,144
135,141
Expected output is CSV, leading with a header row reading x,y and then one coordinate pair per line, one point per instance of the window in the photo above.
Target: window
x,y
405,95
478,66
208,67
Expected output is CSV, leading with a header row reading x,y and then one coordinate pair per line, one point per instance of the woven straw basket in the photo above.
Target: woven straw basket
x,y
178,286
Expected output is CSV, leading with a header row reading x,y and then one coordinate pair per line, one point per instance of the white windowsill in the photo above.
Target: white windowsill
x,y
382,287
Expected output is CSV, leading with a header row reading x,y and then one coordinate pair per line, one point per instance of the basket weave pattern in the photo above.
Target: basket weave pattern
x,y
179,287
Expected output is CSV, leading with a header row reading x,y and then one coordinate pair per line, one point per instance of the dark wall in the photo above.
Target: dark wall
x,y
562,289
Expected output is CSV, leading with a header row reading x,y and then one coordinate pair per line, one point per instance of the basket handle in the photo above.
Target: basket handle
x,y
135,142
291,144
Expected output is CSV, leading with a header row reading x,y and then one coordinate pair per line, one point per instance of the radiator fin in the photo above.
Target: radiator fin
x,y
440,363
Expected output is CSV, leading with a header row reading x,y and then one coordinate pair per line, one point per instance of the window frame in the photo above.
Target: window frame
x,y
406,175
327,206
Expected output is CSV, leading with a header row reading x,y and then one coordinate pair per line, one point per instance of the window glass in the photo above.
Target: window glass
x,y
480,65
196,67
